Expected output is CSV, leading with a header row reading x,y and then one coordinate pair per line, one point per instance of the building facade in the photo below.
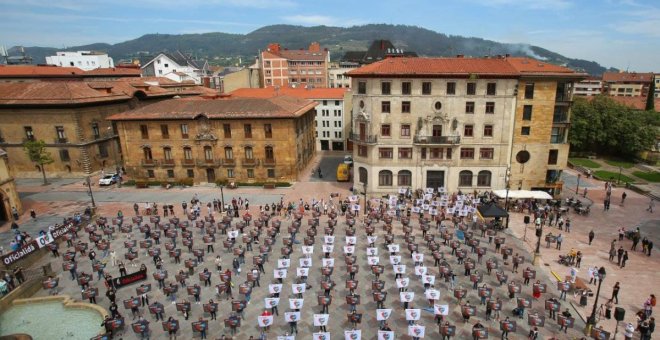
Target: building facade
x,y
218,139
332,122
85,60
9,198
178,67
656,79
588,87
337,77
436,122
627,84
300,68
70,117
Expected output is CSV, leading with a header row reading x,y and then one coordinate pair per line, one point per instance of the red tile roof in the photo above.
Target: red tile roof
x,y
461,67
637,103
220,107
630,77
32,71
299,92
115,71
74,92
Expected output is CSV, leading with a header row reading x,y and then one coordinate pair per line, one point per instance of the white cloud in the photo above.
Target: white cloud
x,y
644,21
528,4
318,20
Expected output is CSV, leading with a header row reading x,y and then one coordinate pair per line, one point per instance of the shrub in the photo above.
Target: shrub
x,y
186,182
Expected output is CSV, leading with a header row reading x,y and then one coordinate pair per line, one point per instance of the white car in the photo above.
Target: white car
x,y
348,160
109,179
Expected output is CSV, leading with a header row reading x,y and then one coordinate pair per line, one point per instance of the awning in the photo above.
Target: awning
x,y
522,194
491,210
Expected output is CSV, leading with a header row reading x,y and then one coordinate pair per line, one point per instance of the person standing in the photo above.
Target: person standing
x,y
619,255
623,198
649,246
651,205
615,292
591,236
559,240
625,258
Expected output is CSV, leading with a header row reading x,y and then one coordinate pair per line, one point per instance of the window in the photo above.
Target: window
x,y
184,131
248,153
468,131
146,152
406,87
385,130
28,132
404,178
405,153
325,103
270,173
247,128
491,89
488,131
103,149
268,131
385,107
362,150
167,153
435,153
451,88
469,107
268,151
471,89
95,131
385,178
422,153
187,154
467,153
405,130
465,178
151,174
483,178
553,155
165,131
405,107
385,87
230,173
144,130
527,112
426,87
64,155
529,91
486,153
170,173
61,137
362,87
525,130
229,152
362,175
336,102
449,151
250,173
208,153
490,107
227,130
385,153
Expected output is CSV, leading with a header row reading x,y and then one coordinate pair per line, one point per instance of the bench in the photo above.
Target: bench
x,y
269,185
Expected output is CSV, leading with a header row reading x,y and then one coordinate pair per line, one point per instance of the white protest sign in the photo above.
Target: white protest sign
x,y
402,283
265,321
306,262
279,273
328,262
283,263
271,302
416,331
373,260
428,279
321,319
352,240
383,314
441,309
328,239
372,251
385,335
413,314
432,294
308,250
298,288
302,271
355,334
291,316
275,288
321,336
406,296
296,303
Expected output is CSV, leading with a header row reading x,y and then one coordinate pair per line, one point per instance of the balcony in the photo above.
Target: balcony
x,y
228,162
560,119
209,162
188,162
437,140
269,161
61,140
149,162
249,162
364,139
167,163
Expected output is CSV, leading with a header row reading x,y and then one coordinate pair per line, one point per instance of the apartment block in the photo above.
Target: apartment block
x,y
300,68
627,84
588,87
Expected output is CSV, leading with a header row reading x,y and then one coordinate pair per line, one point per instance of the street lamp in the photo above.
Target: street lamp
x,y
365,197
89,188
591,321
222,196
537,253
507,178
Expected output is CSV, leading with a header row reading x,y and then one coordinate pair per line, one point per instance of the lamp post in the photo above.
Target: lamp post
x,y
537,253
507,178
89,188
591,321
365,198
222,196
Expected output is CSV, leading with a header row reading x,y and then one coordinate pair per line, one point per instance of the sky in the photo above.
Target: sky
x,y
615,33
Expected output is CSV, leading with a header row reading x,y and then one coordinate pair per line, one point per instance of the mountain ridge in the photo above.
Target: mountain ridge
x,y
217,45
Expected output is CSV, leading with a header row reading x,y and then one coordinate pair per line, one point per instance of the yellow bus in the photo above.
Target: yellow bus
x,y
343,173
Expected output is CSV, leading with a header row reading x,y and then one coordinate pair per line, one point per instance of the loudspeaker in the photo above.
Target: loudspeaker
x,y
538,232
526,219
619,313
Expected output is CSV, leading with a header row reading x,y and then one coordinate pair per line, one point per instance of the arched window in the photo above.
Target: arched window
x,y
248,152
404,178
229,152
208,153
187,153
270,155
465,178
483,179
167,153
385,178
147,154
362,175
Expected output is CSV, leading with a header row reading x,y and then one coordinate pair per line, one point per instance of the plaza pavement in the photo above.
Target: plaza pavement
x,y
638,279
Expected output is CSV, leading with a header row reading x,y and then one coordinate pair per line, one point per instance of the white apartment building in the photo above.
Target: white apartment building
x,y
177,67
85,60
337,74
588,87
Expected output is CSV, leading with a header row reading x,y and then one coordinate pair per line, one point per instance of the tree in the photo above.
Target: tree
x,y
650,99
36,151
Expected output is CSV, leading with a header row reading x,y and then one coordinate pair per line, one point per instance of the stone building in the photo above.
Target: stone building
x,y
447,122
70,116
8,195
218,138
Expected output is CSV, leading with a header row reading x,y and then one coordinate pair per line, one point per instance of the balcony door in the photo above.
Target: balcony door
x,y
363,131
210,175
435,179
437,131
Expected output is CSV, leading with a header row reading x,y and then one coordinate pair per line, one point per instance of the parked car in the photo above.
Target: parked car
x,y
109,179
348,159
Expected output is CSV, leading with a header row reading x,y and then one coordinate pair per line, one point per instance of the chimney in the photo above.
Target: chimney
x,y
459,56
315,47
274,48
